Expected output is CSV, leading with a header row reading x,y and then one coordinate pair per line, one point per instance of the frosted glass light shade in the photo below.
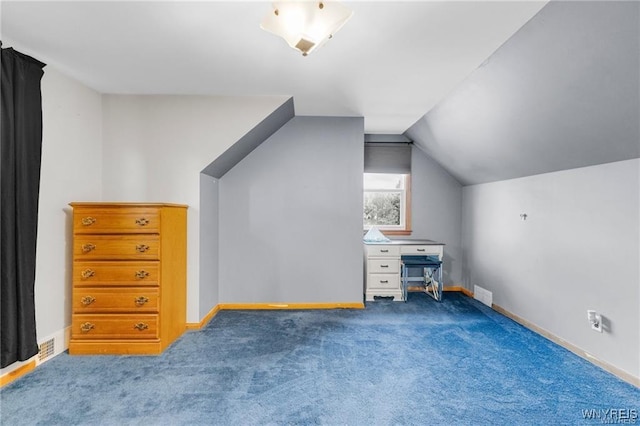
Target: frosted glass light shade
x,y
306,25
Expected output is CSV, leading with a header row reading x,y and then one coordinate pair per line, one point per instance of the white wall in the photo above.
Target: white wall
x,y
71,171
291,216
154,148
125,148
577,250
436,211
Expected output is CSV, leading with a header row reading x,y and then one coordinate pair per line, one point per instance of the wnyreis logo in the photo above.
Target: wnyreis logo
x,y
612,415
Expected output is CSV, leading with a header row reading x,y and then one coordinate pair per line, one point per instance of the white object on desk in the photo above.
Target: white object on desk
x,y
382,265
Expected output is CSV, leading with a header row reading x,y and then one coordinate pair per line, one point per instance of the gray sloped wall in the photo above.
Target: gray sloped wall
x,y
562,93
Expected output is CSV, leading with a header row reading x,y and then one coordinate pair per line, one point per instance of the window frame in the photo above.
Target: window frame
x,y
395,229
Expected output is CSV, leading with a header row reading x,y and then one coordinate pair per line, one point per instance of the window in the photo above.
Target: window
x,y
387,202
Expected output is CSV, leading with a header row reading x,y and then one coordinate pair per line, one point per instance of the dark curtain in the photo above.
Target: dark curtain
x,y
21,140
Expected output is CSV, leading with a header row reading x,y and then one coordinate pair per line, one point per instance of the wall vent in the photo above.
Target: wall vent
x,y
46,350
483,295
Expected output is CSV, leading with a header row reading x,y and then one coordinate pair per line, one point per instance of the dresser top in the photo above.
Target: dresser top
x,y
405,243
123,204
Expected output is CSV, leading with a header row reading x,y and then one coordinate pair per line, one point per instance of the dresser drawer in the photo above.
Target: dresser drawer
x,y
100,299
114,326
381,266
383,281
109,247
115,220
382,251
423,250
127,273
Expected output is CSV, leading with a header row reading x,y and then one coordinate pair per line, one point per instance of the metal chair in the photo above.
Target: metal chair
x,y
431,278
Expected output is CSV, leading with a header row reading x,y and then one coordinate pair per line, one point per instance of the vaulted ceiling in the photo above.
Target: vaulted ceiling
x,y
490,90
562,93
391,63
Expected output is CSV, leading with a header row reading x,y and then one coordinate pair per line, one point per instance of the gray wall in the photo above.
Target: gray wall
x,y
291,216
562,93
209,236
577,250
436,211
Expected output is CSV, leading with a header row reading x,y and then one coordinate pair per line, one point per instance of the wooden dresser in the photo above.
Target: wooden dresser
x,y
129,277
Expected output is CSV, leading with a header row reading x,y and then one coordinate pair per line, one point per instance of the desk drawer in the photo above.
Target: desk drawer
x,y
383,251
422,250
383,266
383,281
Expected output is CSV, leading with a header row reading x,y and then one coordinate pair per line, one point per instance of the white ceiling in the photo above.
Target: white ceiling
x,y
391,63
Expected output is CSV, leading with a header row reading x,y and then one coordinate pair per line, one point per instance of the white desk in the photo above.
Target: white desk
x,y
382,265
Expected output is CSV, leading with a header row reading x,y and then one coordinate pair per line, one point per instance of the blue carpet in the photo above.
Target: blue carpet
x,y
421,362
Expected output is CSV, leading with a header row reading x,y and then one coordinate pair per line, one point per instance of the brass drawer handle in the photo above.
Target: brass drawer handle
x,y
88,273
384,266
142,221
384,251
419,249
88,221
141,248
384,281
141,300
87,300
142,274
87,327
86,248
141,326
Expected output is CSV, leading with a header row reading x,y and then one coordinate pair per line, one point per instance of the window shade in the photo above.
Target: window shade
x,y
387,158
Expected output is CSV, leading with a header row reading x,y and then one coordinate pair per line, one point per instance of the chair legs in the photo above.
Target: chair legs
x,y
405,281
431,280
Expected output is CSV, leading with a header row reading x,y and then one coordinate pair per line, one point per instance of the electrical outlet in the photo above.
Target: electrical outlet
x,y
595,319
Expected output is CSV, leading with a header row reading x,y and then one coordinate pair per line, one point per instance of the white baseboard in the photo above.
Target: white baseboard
x,y
624,375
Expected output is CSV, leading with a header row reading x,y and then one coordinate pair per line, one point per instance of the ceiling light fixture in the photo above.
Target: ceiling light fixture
x,y
306,25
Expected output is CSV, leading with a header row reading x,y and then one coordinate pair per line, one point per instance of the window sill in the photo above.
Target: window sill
x,y
396,232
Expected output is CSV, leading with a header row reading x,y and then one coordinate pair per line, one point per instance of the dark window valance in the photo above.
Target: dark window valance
x,y
387,158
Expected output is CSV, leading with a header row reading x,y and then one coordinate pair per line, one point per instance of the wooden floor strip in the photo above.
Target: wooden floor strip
x,y
5,379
